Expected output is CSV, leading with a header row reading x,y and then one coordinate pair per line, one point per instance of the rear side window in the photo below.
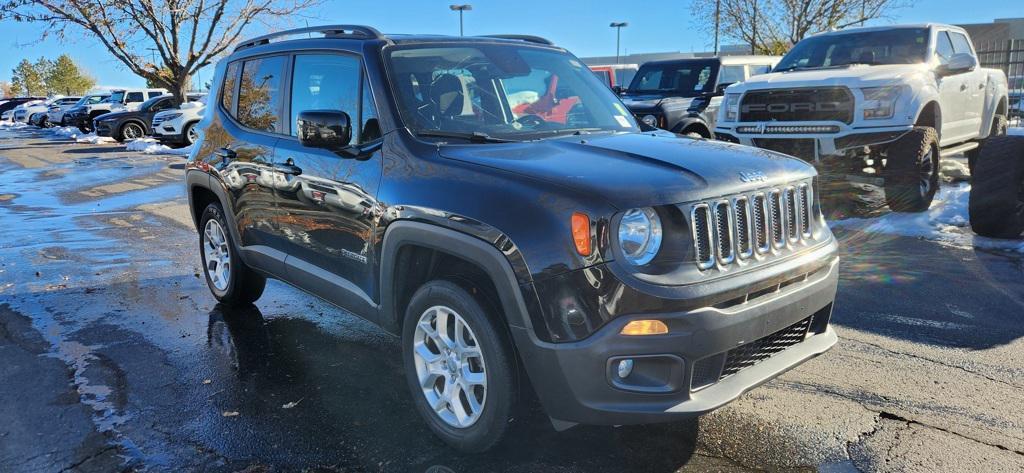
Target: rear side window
x,y
259,94
325,82
155,93
731,75
756,69
227,95
136,97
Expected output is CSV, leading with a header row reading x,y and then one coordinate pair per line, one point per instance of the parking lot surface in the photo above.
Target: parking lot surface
x,y
116,357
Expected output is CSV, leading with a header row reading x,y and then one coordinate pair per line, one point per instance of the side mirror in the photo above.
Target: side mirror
x,y
720,90
327,129
960,62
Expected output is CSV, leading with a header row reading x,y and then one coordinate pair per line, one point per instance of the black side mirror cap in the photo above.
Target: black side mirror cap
x,y
720,90
326,129
617,89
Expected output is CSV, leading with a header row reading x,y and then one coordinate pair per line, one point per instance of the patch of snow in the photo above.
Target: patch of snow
x,y
152,146
7,125
946,222
91,138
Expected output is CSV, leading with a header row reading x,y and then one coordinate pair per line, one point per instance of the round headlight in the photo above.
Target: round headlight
x,y
650,120
640,235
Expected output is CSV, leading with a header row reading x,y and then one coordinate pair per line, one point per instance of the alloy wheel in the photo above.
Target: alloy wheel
x,y
193,135
925,170
132,131
217,255
450,366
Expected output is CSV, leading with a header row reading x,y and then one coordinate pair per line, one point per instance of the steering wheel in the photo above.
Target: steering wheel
x,y
531,121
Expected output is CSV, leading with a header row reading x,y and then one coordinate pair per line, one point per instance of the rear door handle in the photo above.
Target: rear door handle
x,y
288,167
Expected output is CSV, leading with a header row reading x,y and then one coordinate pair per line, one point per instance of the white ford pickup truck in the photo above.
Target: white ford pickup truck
x,y
879,105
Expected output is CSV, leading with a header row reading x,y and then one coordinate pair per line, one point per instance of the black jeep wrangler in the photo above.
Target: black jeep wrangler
x,y
684,95
492,203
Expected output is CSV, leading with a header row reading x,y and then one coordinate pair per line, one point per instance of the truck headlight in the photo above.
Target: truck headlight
x,y
640,235
880,102
732,107
171,116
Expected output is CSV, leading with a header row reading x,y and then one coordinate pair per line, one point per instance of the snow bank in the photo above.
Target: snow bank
x,y
6,125
152,146
946,222
77,135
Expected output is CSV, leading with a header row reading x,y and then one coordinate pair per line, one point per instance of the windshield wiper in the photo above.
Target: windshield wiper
x,y
472,137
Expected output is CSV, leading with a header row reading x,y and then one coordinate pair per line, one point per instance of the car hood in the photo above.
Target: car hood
x,y
117,115
647,102
852,76
638,169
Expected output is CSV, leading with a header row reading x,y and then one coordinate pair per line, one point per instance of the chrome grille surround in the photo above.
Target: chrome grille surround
x,y
751,226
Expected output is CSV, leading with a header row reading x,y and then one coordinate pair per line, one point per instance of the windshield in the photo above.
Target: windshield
x,y
683,78
510,92
896,46
91,99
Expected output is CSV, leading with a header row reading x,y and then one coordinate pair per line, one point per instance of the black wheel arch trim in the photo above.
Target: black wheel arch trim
x,y
687,122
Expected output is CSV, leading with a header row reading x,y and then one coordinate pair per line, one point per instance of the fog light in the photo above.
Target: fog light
x,y
645,327
625,368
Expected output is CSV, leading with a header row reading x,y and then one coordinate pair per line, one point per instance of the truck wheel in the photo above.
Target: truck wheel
x,y
999,127
997,189
458,366
912,171
229,279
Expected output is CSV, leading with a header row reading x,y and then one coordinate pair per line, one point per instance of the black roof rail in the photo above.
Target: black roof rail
x,y
329,31
522,37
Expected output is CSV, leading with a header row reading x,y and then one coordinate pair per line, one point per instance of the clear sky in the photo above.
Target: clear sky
x,y
578,25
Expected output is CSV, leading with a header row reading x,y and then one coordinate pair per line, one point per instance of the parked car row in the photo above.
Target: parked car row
x,y
121,114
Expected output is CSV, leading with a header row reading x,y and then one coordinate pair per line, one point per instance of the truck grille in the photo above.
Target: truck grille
x,y
798,105
742,226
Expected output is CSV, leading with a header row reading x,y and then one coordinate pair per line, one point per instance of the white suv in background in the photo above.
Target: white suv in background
x,y
178,127
55,115
128,100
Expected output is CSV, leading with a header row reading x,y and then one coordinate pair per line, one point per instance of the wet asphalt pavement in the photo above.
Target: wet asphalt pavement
x,y
115,357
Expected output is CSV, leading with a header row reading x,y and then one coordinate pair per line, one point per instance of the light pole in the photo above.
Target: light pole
x,y
461,9
718,13
618,25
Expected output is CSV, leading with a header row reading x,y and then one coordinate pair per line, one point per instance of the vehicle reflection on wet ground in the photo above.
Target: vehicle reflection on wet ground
x,y
117,357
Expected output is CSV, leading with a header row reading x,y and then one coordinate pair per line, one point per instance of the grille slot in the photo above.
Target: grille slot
x,y
762,240
702,241
804,196
723,232
744,248
762,223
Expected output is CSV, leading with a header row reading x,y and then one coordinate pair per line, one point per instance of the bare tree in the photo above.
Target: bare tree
x,y
186,34
772,26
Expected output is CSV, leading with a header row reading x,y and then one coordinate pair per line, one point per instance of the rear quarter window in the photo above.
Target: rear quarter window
x,y
259,94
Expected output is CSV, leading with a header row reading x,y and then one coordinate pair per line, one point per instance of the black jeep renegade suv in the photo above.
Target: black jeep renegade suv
x,y
491,202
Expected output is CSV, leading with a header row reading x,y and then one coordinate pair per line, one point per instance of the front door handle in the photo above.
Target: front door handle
x,y
288,167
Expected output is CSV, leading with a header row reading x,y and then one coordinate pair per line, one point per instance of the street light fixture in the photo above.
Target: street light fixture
x,y
618,25
461,9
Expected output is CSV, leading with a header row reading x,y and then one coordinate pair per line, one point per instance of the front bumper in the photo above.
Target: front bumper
x,y
692,369
811,146
77,120
103,128
170,139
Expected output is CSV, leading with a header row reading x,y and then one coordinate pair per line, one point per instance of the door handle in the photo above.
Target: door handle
x,y
225,153
963,87
288,167
981,86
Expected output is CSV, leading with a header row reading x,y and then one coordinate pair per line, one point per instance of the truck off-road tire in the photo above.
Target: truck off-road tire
x,y
458,364
997,189
229,279
912,171
999,126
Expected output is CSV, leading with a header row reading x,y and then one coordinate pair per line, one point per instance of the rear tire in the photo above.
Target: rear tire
x,y
129,132
436,363
190,135
997,190
230,280
912,171
999,126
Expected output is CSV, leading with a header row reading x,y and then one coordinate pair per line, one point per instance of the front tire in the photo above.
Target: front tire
x,y
997,190
458,364
230,280
130,131
912,171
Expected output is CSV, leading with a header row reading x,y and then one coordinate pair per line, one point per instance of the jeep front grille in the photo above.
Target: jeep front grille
x,y
752,225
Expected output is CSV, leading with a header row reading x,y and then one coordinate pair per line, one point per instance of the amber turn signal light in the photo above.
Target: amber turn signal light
x,y
645,327
581,233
